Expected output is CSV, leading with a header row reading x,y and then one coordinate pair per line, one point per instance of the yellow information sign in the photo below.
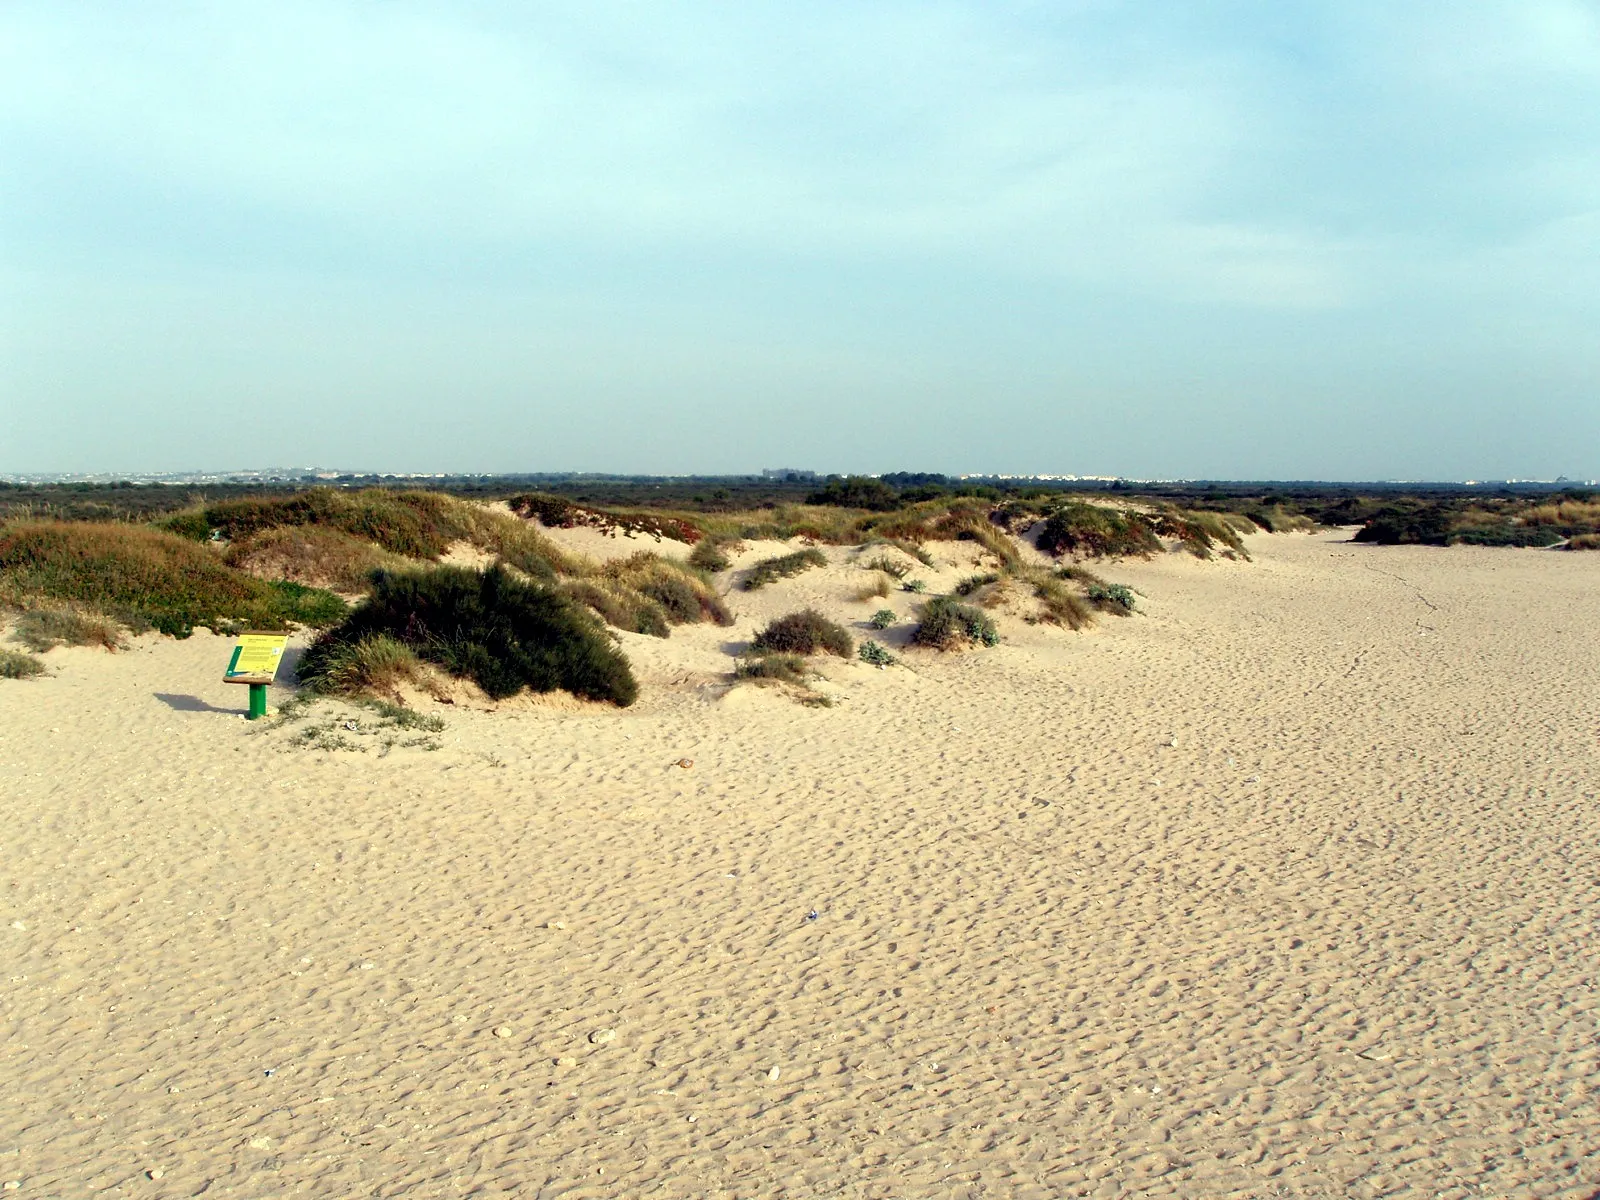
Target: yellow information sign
x,y
256,658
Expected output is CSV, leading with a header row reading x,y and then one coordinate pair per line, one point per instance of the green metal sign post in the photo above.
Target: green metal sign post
x,y
255,662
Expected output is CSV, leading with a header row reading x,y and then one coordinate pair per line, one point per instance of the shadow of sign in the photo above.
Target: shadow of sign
x,y
190,704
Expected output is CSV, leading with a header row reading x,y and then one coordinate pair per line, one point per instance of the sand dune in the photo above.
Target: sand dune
x,y
1287,886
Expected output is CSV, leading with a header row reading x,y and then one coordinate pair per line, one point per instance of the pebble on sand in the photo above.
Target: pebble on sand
x,y
555,924
503,1031
155,1173
772,1075
566,1060
603,1037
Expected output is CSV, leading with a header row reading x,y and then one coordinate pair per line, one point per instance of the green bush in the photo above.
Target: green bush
x,y
191,524
14,665
857,491
1111,597
1060,604
948,624
882,619
888,566
1092,531
804,632
489,626
875,653
770,570
915,586
149,578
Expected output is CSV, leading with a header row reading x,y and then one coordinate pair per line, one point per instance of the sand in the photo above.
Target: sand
x,y
1287,886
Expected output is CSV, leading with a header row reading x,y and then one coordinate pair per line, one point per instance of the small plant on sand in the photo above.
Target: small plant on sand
x,y
1114,598
896,570
375,665
882,619
875,653
948,625
804,632
505,634
770,570
973,582
15,665
782,668
915,586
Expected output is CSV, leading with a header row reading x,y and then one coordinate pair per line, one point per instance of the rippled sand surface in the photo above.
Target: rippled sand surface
x,y
1286,887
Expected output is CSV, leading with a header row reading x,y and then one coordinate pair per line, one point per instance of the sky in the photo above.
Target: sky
x,y
1158,240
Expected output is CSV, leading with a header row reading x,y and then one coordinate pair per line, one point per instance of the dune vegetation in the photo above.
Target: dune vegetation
x,y
504,633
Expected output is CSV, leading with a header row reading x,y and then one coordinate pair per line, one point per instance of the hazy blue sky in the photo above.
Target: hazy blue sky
x,y
1335,240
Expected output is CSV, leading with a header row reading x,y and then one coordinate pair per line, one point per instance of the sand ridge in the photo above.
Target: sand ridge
x,y
1285,887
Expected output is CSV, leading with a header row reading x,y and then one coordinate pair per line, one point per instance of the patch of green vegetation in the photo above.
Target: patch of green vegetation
x,y
311,554
1060,604
147,578
948,624
1095,531
783,668
40,629
505,634
973,582
1115,598
857,491
887,565
882,619
770,570
804,632
16,665
684,593
875,654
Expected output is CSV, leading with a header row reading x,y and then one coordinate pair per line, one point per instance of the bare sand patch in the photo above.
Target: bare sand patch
x,y
1285,886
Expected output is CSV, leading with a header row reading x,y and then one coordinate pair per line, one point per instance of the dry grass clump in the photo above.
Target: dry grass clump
x,y
879,586
557,512
16,665
973,582
1201,531
710,555
804,632
619,607
375,665
148,577
41,628
950,625
311,554
770,570
1059,604
779,668
1094,531
1565,513
684,594
1275,518
1584,541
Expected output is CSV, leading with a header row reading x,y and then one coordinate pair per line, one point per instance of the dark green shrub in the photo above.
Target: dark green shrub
x,y
14,665
770,570
1092,531
948,624
882,619
857,491
804,632
191,524
489,626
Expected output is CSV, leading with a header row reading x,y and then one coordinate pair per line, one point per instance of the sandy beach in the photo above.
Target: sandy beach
x,y
1285,886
